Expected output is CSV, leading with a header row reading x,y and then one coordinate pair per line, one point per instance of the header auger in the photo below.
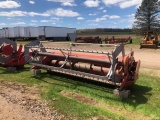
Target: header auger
x,y
106,63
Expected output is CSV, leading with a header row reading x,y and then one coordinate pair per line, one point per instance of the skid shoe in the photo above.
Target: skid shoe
x,y
122,93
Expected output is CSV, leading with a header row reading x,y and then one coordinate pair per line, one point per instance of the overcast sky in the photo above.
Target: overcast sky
x,y
78,14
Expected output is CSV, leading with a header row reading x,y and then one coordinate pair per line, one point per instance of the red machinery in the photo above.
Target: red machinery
x,y
114,40
104,66
9,55
88,39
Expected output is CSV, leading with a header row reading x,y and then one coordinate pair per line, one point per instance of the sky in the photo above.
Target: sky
x,y
79,14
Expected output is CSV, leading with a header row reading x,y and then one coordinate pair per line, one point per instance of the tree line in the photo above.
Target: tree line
x,y
103,30
147,18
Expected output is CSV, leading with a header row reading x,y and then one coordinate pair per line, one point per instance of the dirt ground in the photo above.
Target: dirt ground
x,y
19,102
150,58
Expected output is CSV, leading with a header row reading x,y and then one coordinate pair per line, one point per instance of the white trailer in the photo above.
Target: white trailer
x,y
71,34
5,33
9,33
2,33
55,31
41,30
71,30
19,32
31,32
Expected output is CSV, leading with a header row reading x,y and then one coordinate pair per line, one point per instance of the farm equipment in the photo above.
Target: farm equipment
x,y
88,39
107,63
150,40
114,40
11,57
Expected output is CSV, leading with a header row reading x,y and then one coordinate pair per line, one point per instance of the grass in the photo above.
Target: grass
x,y
23,42
143,103
136,40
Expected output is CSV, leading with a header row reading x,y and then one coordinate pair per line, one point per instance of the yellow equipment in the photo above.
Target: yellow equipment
x,y
150,40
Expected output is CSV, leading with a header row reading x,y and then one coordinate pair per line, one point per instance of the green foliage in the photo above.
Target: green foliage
x,y
147,16
104,30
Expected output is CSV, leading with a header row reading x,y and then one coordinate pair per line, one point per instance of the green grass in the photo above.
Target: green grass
x,y
136,40
74,108
23,42
144,100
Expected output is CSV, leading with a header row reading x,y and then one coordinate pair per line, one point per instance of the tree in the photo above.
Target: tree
x,y
147,17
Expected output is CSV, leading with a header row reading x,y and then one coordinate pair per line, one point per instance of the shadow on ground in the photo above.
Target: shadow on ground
x,y
139,94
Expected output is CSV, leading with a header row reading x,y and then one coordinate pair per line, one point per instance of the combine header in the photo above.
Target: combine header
x,y
88,40
108,63
114,40
12,56
9,55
